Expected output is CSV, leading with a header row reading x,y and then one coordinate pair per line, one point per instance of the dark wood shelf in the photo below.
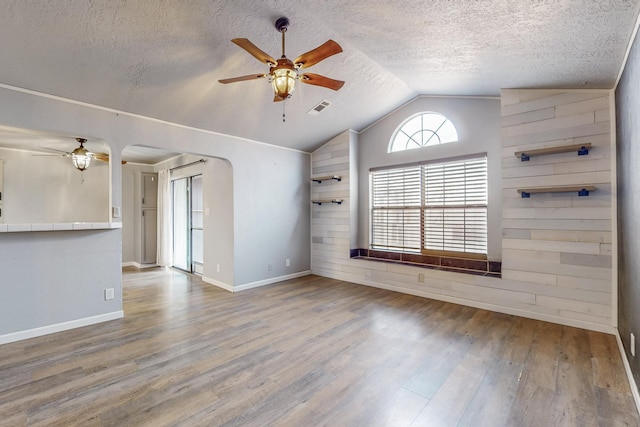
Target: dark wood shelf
x,y
582,190
581,149
319,179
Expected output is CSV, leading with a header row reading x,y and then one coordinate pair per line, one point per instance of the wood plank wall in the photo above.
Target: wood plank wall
x,y
559,240
330,223
556,247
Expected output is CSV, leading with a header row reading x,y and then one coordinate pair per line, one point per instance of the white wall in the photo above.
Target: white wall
x,y
270,196
49,189
54,280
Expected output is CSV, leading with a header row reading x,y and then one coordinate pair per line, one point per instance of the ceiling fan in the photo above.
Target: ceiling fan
x,y
284,72
81,157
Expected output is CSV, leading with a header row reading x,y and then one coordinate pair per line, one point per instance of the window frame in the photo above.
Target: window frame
x,y
400,129
424,207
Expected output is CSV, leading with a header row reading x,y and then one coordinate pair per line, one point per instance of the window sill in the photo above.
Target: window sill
x,y
444,263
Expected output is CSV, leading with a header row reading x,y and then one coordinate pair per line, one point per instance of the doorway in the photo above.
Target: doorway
x,y
187,214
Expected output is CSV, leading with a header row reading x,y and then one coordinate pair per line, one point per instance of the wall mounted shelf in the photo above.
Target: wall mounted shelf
x,y
321,201
582,190
582,149
319,179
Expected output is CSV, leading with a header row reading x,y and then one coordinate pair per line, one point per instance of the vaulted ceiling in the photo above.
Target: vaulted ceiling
x,y
162,59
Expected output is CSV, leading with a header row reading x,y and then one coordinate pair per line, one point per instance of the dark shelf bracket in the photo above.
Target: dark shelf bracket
x,y
583,151
327,178
584,192
524,194
524,158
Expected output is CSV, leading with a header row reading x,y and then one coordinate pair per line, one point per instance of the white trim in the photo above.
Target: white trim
x,y
59,327
215,282
627,369
627,52
614,211
270,281
138,265
251,285
597,327
138,116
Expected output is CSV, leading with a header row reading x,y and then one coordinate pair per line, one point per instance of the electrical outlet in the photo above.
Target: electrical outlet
x,y
633,345
287,262
269,267
109,294
421,278
116,211
217,268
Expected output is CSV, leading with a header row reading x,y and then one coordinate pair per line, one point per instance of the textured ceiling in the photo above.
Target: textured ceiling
x,y
162,59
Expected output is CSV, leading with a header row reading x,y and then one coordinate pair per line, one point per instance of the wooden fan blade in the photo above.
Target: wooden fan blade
x,y
104,157
100,156
318,80
255,51
318,54
63,153
243,78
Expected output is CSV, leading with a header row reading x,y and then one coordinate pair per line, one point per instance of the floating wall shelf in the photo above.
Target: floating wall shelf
x,y
319,179
582,149
582,190
319,202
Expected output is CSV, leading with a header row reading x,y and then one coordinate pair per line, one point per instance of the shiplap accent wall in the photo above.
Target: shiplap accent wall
x,y
333,230
556,248
559,240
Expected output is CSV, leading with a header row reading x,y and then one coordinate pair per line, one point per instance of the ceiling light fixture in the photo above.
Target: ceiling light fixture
x,y
284,72
81,157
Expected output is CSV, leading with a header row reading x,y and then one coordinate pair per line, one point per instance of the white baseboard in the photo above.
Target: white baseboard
x,y
607,329
265,282
59,327
257,284
138,265
627,369
217,283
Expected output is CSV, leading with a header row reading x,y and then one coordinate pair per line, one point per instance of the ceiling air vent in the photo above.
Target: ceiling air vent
x,y
319,107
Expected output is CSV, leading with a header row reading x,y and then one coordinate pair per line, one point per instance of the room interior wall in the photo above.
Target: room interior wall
x,y
49,189
628,196
130,232
53,280
561,242
217,195
570,305
270,198
477,121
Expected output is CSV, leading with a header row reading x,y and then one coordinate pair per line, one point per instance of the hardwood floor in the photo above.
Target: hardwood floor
x,y
310,352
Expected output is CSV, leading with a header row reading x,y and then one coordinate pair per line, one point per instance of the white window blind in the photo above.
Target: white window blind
x,y
396,197
436,206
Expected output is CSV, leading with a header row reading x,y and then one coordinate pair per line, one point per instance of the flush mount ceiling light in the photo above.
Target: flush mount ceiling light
x,y
284,72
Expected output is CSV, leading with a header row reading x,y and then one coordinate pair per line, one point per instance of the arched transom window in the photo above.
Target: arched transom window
x,y
423,130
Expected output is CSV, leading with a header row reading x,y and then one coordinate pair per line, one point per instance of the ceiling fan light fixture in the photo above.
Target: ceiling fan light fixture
x,y
283,82
81,157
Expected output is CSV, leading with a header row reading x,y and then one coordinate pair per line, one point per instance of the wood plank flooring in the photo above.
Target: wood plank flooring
x,y
310,352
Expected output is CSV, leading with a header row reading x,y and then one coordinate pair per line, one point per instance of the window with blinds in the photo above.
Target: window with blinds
x,y
433,207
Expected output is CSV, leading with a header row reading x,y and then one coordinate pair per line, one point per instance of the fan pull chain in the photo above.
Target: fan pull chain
x,y
283,115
